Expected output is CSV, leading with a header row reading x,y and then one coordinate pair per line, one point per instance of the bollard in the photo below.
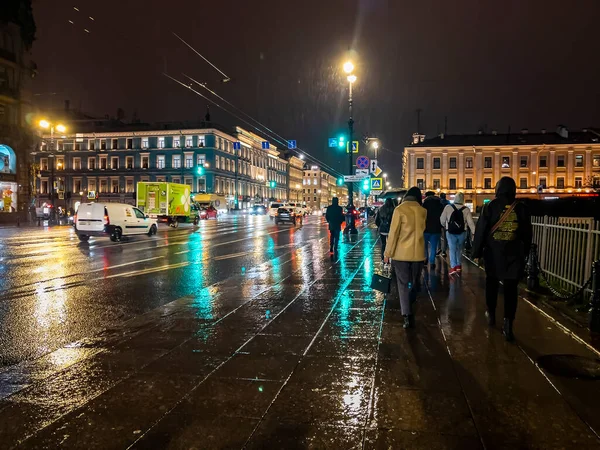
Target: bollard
x,y
533,274
595,309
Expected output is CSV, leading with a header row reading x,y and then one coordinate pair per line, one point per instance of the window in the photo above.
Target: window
x,y
144,142
145,162
77,186
129,143
560,161
420,163
91,164
77,146
189,161
103,144
523,183
188,141
543,161
578,182
469,163
176,161
315,191
77,164
468,183
220,143
453,163
314,199
176,142
114,162
92,144
104,185
487,162
61,145
524,161
115,144
436,184
160,161
44,187
129,185
315,181
217,165
487,183
542,182
560,182
138,214
91,184
596,162
161,142
176,180
114,186
578,160
436,163
129,162
201,141
44,164
506,162
200,160
453,184
103,162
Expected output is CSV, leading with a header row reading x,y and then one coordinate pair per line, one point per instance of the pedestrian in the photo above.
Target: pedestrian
x,y
383,220
503,238
433,230
443,241
404,247
458,221
335,218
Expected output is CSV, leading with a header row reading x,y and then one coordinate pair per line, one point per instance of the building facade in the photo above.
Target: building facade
x,y
544,165
107,165
296,177
17,31
319,187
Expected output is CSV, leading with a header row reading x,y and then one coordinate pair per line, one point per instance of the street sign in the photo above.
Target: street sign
x,y
362,172
376,184
373,166
61,195
91,195
292,144
333,142
353,178
354,147
265,145
237,145
362,162
377,171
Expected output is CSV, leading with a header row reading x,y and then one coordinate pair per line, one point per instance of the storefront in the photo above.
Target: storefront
x,y
8,179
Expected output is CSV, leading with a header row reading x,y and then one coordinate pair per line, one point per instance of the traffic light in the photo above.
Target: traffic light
x,y
366,187
200,170
340,181
342,141
272,184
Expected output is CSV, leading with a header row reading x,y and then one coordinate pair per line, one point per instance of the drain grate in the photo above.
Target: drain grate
x,y
571,366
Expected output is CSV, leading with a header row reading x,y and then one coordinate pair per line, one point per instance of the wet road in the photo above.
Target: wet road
x,y
56,290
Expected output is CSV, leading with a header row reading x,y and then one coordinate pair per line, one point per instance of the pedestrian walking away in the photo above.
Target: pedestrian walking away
x,y
443,247
503,238
433,228
457,219
335,218
404,248
383,220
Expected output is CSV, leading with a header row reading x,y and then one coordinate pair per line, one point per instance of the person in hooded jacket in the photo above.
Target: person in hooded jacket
x,y
405,247
335,218
383,220
456,240
433,229
503,237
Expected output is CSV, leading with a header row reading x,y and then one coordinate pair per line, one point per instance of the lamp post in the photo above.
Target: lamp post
x,y
61,129
349,68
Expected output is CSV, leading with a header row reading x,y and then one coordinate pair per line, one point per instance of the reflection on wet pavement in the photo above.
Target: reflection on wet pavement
x,y
298,352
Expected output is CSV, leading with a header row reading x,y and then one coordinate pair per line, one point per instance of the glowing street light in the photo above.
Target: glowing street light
x,y
385,175
348,67
375,145
61,128
44,124
352,78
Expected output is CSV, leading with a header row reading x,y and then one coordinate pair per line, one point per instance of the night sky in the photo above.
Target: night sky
x,y
519,63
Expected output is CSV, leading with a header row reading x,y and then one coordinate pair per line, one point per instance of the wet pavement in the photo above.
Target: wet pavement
x,y
260,340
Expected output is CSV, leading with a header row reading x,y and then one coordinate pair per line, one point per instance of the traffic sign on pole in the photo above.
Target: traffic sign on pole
x,y
292,144
237,145
373,166
362,172
376,184
333,142
362,162
265,145
353,178
354,147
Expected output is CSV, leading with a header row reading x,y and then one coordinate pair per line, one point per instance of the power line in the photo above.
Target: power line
x,y
225,80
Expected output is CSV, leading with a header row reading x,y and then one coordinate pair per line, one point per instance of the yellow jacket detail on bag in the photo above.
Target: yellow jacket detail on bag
x,y
406,241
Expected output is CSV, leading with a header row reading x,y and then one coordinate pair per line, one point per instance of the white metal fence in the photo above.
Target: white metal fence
x,y
567,249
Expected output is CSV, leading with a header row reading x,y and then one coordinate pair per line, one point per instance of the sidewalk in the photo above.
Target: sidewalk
x,y
315,359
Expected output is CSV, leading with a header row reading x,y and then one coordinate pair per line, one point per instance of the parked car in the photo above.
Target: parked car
x,y
258,210
208,213
287,215
114,220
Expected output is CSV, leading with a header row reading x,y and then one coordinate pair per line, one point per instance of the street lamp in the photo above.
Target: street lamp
x,y
45,124
349,68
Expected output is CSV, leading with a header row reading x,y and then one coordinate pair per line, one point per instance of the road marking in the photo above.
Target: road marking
x,y
135,273
123,265
181,253
232,255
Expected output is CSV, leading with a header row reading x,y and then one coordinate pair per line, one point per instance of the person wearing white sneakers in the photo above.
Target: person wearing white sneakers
x,y
457,220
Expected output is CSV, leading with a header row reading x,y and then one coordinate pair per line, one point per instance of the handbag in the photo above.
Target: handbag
x,y
382,282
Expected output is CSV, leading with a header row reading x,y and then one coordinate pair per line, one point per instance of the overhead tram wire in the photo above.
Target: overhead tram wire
x,y
224,80
284,144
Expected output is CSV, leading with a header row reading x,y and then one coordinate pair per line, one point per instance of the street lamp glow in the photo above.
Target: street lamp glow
x,y
348,67
352,78
375,145
44,124
61,128
385,175
388,184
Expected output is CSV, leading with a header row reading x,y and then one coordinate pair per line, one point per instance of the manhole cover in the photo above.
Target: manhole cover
x,y
572,366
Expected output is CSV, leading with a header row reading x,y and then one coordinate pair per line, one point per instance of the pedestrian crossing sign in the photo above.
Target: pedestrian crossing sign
x,y
354,147
376,184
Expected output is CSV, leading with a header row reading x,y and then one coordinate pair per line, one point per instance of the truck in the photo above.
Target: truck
x,y
219,202
166,202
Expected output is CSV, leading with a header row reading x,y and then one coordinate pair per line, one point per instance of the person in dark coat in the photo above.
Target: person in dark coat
x,y
335,218
433,229
383,220
505,251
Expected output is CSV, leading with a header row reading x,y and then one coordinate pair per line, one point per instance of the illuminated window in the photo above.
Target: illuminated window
x,y
160,161
161,142
506,162
578,182
176,142
145,143
596,162
469,163
578,160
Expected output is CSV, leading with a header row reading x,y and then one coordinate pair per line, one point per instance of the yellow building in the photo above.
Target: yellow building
x,y
544,165
319,187
296,167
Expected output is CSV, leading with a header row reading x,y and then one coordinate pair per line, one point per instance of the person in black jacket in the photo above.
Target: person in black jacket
x,y
335,218
433,229
504,251
383,221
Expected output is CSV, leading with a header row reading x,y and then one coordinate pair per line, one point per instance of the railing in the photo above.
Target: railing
x,y
567,249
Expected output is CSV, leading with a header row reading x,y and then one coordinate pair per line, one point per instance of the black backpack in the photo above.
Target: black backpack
x,y
456,224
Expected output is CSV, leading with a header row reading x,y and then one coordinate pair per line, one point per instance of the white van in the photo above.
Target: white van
x,y
112,219
273,207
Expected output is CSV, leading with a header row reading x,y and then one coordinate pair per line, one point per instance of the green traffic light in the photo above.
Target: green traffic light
x,y
200,170
340,181
342,141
